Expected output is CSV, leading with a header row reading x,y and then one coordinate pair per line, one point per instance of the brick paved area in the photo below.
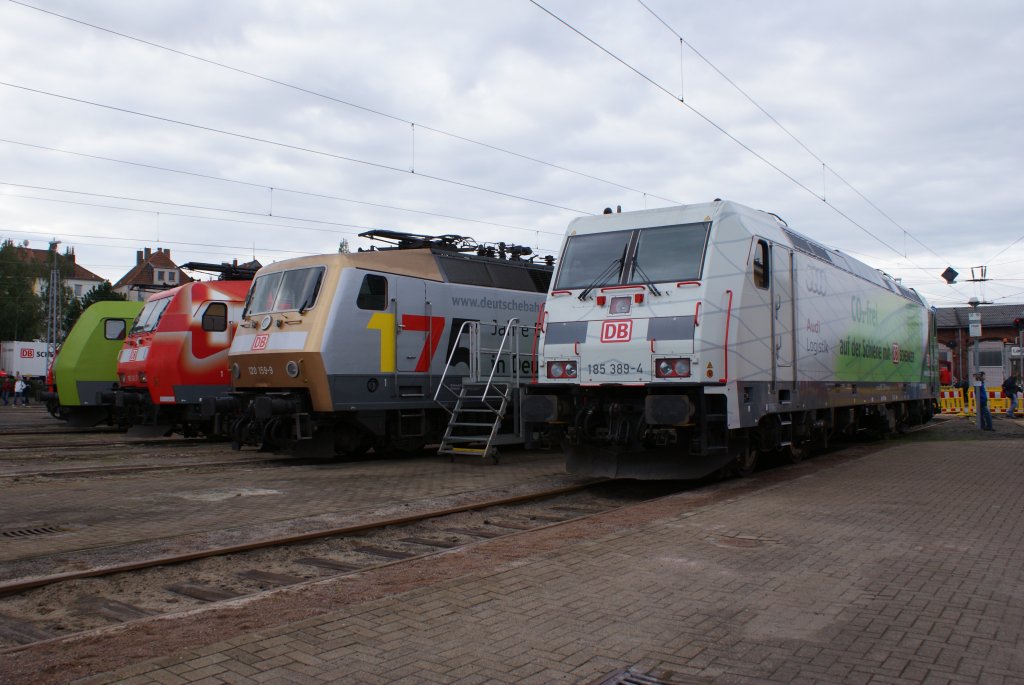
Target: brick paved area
x,y
901,567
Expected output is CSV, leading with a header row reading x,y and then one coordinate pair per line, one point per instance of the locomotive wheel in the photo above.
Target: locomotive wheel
x,y
746,462
794,453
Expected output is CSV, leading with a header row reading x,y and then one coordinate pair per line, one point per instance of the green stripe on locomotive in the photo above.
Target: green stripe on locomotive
x,y
89,353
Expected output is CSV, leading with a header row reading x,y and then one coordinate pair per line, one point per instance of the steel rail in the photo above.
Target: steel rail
x,y
43,581
141,468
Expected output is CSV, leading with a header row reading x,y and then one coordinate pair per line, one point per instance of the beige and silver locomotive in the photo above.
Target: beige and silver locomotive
x,y
343,352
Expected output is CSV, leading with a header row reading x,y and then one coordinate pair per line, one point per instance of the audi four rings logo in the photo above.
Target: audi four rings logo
x,y
616,331
259,342
817,281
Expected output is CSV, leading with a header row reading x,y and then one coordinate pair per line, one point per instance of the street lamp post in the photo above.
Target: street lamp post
x,y
975,331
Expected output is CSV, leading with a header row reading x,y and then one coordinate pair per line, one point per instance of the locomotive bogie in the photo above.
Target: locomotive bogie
x,y
730,334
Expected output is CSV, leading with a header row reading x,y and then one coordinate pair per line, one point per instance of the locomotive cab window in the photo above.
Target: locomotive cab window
x,y
761,270
149,317
592,260
373,293
114,329
215,318
284,291
669,253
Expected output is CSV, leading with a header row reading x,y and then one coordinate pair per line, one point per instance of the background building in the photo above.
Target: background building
x,y
153,271
998,347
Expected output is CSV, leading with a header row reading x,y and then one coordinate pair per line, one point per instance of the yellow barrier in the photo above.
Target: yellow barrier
x,y
951,401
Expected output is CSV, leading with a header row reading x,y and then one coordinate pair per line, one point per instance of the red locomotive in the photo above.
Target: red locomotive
x,y
177,351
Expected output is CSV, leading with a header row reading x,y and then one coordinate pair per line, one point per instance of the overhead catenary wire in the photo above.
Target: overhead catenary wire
x,y
722,130
297,148
324,196
824,165
241,248
359,228
346,103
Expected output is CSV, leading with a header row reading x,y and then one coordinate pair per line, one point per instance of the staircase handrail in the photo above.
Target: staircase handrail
x,y
448,364
512,324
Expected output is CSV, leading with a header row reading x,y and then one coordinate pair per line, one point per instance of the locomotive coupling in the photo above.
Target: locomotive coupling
x,y
127,399
265,407
209,407
667,410
540,408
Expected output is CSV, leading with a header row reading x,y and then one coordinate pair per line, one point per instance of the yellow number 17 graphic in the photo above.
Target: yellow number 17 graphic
x,y
385,323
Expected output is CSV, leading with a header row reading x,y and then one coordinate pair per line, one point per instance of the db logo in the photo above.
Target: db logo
x,y
260,341
895,353
28,353
134,355
616,331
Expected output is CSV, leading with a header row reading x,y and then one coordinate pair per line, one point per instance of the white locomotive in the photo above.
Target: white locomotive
x,y
678,341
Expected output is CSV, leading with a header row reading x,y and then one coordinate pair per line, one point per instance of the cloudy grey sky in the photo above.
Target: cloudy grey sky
x,y
898,135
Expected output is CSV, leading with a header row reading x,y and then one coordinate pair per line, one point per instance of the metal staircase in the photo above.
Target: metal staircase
x,y
486,395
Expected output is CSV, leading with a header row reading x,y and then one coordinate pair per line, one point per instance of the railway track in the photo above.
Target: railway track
x,y
44,607
58,605
8,447
113,470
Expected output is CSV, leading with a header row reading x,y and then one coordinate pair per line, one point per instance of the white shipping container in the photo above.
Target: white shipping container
x,y
26,358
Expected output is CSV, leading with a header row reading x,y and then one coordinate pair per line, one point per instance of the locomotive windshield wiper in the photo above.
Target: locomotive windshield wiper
x,y
647,279
311,294
608,271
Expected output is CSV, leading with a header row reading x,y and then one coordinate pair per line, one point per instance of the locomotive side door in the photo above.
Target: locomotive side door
x,y
412,328
783,314
418,333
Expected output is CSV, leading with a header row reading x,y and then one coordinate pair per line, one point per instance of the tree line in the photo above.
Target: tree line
x,y
22,311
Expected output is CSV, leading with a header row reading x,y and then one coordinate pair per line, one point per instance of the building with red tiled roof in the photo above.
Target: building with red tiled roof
x,y
76,277
153,271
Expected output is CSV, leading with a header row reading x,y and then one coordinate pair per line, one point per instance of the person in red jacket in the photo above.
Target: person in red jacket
x,y
6,386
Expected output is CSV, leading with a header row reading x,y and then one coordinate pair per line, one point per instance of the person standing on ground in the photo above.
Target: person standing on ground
x,y
945,375
5,385
981,402
19,388
1010,389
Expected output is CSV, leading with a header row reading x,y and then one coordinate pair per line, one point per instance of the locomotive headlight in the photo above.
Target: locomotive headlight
x,y
562,370
236,371
672,367
292,369
142,377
